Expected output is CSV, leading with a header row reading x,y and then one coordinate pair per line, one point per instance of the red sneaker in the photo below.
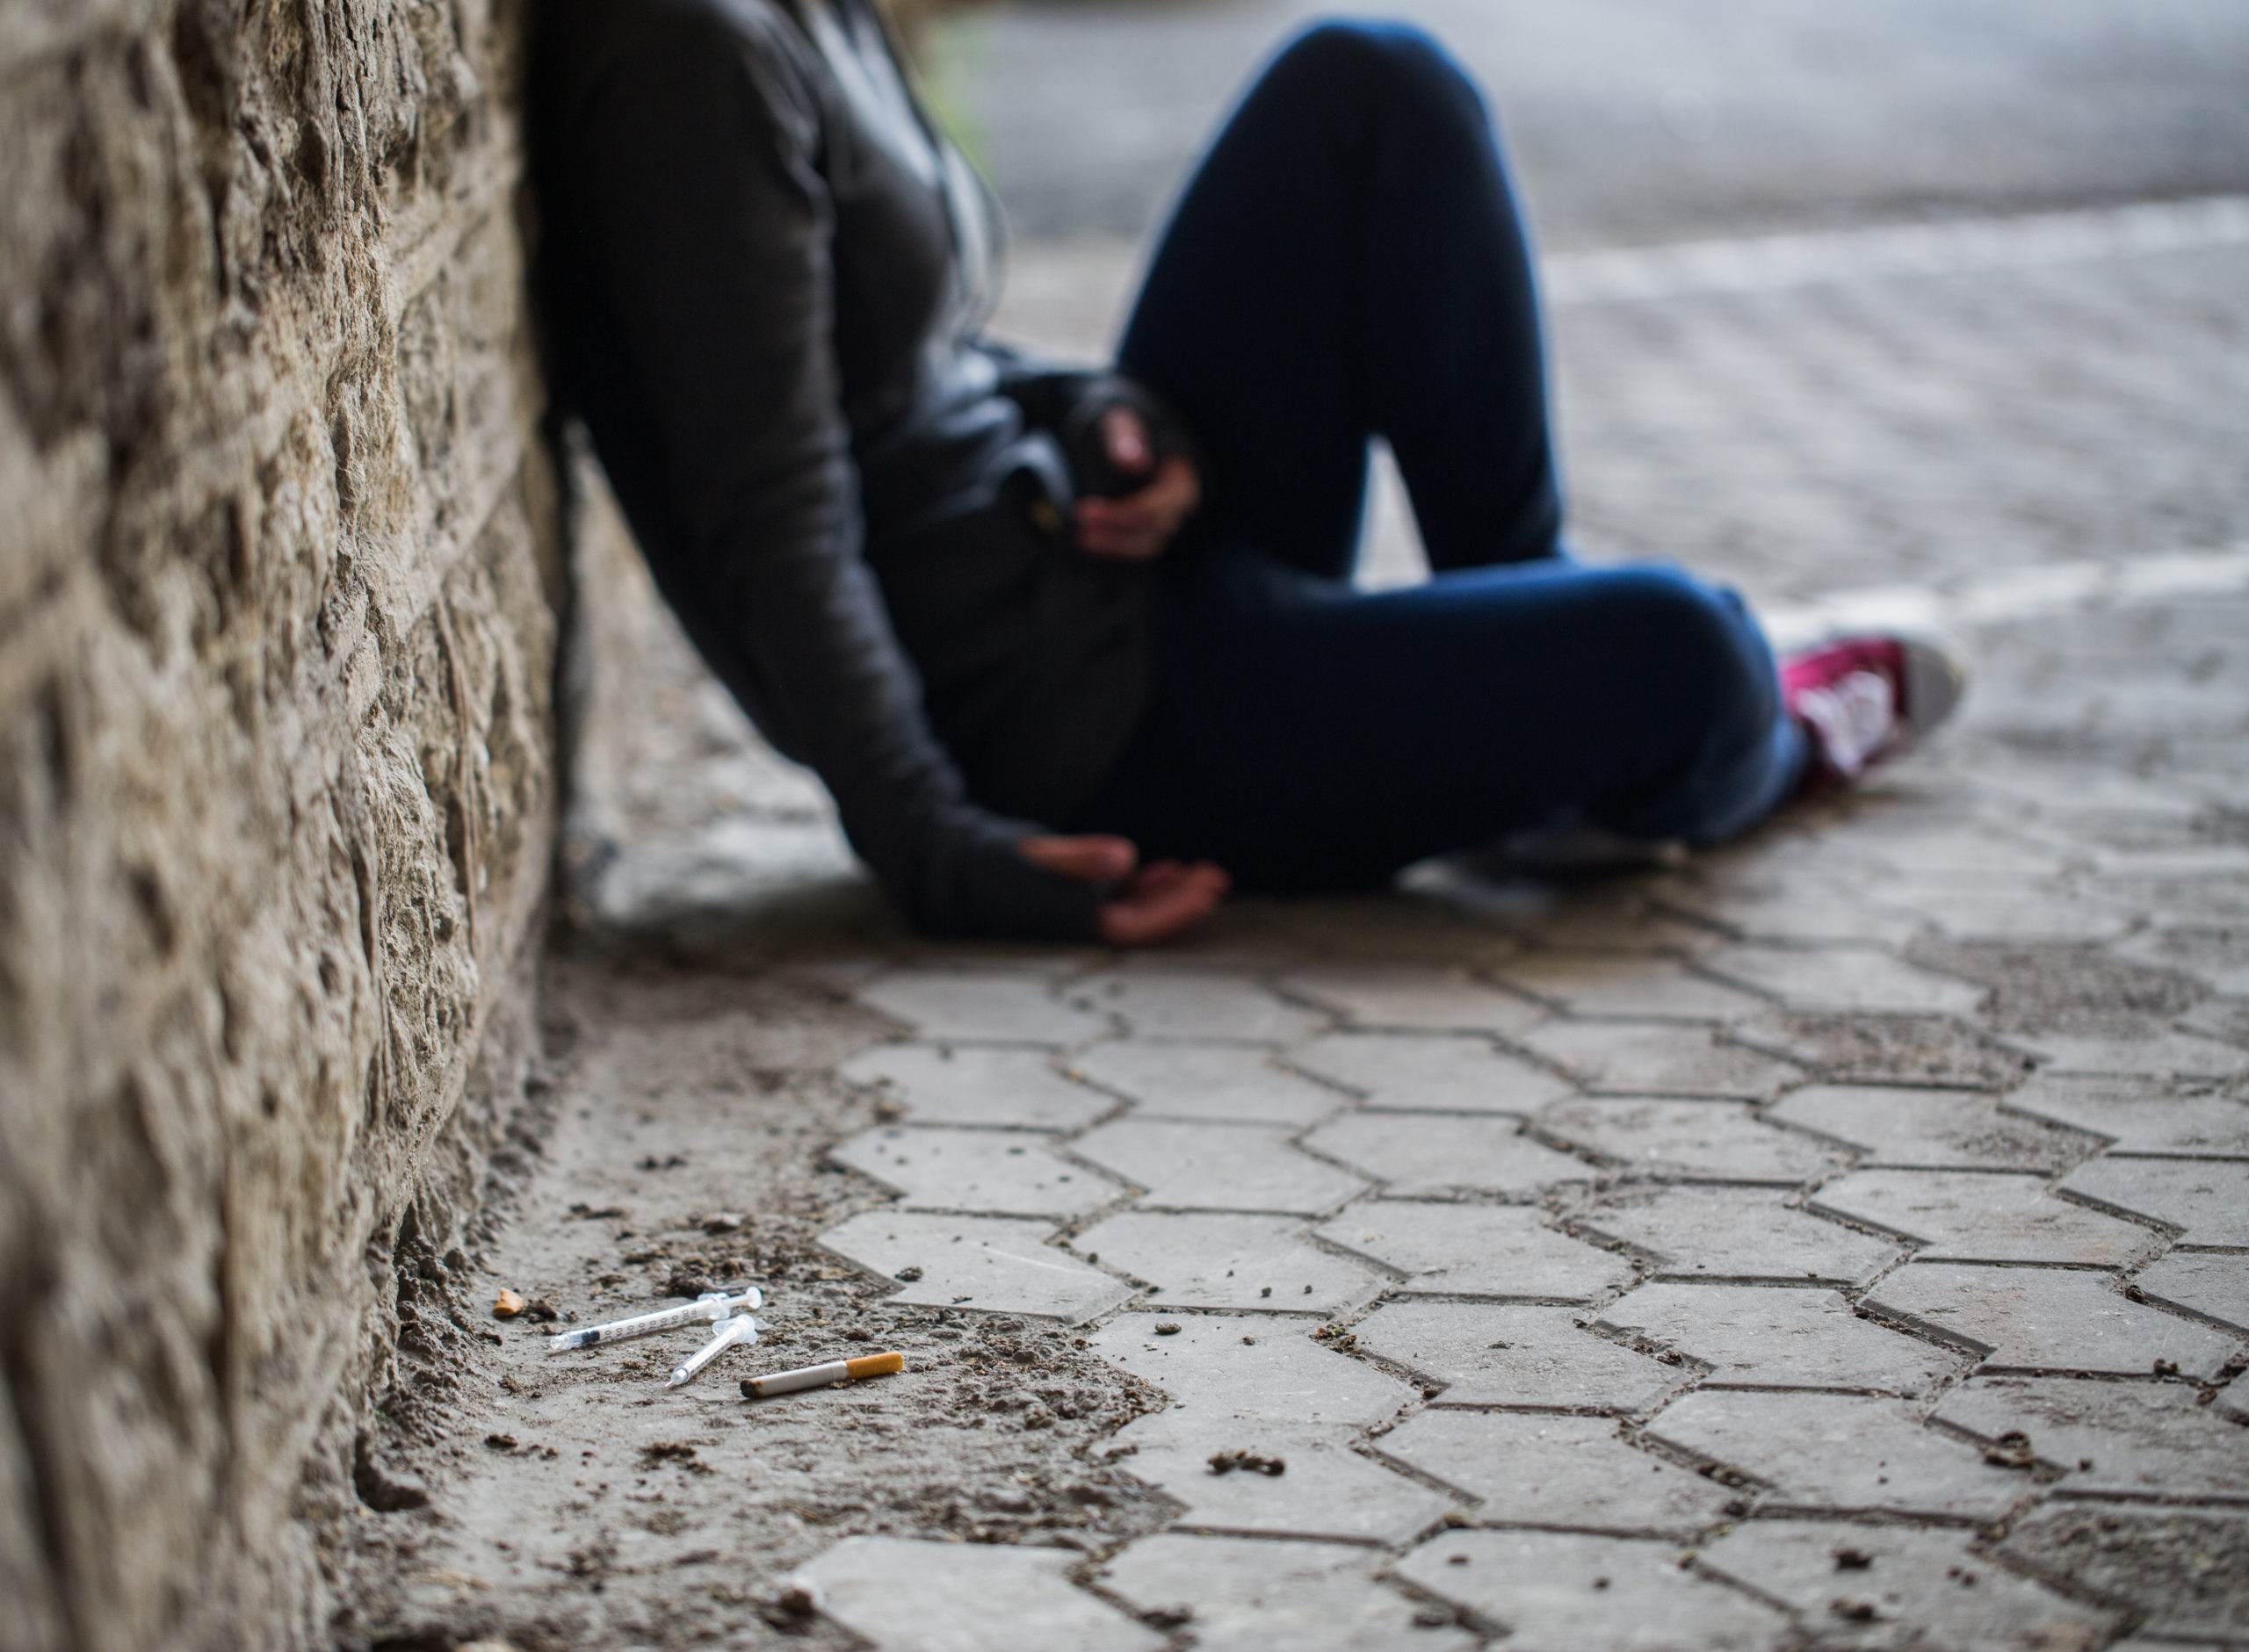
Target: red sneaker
x,y
1862,699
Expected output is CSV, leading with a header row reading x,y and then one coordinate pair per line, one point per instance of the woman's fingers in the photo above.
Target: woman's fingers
x,y
1140,524
1093,859
1125,435
1161,902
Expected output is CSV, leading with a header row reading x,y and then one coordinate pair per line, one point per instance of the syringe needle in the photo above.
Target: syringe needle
x,y
711,1305
741,1328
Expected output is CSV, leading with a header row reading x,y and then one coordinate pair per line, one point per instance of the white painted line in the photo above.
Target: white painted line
x,y
1766,264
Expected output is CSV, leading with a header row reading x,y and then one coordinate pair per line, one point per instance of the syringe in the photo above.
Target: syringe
x,y
711,1305
741,1328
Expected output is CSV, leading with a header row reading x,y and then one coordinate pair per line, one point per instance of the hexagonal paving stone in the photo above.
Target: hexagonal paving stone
x,y
1838,1452
991,1172
1933,1129
1243,1596
966,1006
1731,1234
1406,998
1215,1083
1714,1141
2206,1200
1886,1049
1228,1261
2049,1319
2214,1285
1252,1368
1429,1071
1434,1153
2000,907
944,1085
991,1264
1324,1490
1200,1004
2140,1115
1456,1250
1531,1468
1809,904
1659,1058
1974,1215
1757,1335
1901,1588
2156,1055
2233,1398
907,1596
2116,1439
2178,1569
1647,988
1491,1355
1188,1166
1567,1591
2217,956
1836,978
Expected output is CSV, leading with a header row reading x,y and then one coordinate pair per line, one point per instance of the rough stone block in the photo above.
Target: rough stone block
x,y
1562,1591
1435,1152
1664,1058
1190,1167
1720,1233
992,1264
1968,1215
1198,1003
1537,1468
2049,1319
2214,1285
1429,1073
942,1084
1840,1452
2140,1115
2206,1200
1241,1596
1404,998
974,1007
1324,1490
1251,1368
1893,1587
1715,1141
1229,1261
2114,1438
1492,1354
1761,1336
1214,1082
903,1595
1619,984
1933,1129
1847,980
1457,1250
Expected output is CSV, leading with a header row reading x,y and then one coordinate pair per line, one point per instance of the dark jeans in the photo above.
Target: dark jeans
x,y
1349,262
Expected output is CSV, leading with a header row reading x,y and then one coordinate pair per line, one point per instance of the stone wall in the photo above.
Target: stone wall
x,y
279,579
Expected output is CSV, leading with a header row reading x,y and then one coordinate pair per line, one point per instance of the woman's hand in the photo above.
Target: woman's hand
x,y
1139,525
1145,904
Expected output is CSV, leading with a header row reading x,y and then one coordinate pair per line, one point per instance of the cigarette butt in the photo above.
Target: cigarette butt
x,y
508,1306
817,1376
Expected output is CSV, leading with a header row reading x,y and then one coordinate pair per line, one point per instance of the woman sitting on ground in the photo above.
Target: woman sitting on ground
x,y
1075,650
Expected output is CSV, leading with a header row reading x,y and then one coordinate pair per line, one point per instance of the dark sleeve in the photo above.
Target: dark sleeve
x,y
712,229
1068,402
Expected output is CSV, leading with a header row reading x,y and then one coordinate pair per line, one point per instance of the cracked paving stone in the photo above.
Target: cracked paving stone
x,y
1720,1233
1213,1082
1456,1250
1904,1589
1982,1216
1538,1469
1497,1355
1245,1596
1838,979
994,1265
1714,1141
2215,1285
1758,1337
990,1173
2114,1438
2140,1115
1327,1489
1404,999
1567,1591
2049,1319
1840,1452
1646,989
2161,1055
1933,1129
1435,1152
1284,1378
1199,1004
1190,1167
2183,1572
1660,1060
970,1007
904,1594
2207,1199
1429,1073
939,1084
1229,1261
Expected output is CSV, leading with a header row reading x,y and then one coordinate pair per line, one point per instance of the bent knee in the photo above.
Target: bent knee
x,y
1352,55
1701,639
